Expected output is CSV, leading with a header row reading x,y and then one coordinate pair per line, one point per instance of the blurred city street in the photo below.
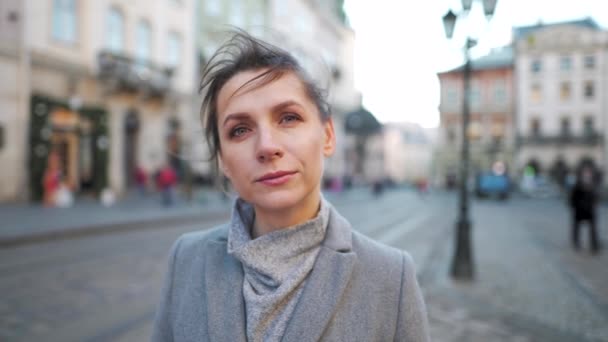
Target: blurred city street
x,y
101,281
488,112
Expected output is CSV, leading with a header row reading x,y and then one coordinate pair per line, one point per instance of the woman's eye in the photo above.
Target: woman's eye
x,y
288,118
238,131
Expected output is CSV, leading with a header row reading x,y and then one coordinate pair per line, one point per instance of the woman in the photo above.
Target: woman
x,y
288,266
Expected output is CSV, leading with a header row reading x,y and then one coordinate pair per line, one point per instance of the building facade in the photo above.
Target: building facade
x,y
562,73
408,152
491,125
105,85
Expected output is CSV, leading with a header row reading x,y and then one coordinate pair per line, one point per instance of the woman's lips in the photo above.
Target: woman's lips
x,y
276,178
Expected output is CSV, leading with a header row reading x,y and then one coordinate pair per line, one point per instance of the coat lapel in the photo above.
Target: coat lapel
x,y
326,283
224,290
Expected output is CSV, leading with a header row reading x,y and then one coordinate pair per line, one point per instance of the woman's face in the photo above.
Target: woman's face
x,y
273,141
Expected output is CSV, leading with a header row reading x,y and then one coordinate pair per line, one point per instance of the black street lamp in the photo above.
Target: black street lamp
x,y
462,263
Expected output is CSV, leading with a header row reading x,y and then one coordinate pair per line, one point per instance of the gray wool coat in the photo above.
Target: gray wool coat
x,y
358,290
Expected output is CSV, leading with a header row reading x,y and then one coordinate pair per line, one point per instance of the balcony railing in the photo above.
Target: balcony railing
x,y
123,73
562,139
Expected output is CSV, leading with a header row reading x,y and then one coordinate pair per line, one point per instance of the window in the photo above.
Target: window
x,y
589,62
474,131
257,19
498,129
213,7
589,90
143,42
452,96
588,129
536,66
565,126
564,91
115,30
174,48
237,13
565,63
535,127
64,20
451,135
474,96
500,96
536,93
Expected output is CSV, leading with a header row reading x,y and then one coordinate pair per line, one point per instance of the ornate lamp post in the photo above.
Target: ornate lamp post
x,y
462,263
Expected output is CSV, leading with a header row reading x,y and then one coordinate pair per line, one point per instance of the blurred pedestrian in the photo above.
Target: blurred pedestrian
x,y
167,179
288,266
51,181
422,186
377,187
583,201
141,180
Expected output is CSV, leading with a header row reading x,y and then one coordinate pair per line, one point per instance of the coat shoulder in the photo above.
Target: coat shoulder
x,y
374,255
380,252
193,242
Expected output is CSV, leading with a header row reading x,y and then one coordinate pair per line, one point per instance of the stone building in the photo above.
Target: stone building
x,y
408,152
491,126
105,84
562,75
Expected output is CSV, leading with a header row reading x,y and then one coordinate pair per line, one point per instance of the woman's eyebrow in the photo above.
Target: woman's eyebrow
x,y
284,104
235,116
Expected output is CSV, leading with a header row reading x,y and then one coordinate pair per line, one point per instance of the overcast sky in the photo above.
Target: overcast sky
x,y
401,45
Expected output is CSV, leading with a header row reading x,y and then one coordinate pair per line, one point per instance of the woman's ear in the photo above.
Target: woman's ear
x,y
329,143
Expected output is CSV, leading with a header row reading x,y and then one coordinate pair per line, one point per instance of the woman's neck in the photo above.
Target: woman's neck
x,y
269,221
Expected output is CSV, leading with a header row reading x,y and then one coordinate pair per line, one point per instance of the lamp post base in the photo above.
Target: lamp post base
x,y
462,263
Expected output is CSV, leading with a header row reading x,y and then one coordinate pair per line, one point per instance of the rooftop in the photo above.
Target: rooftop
x,y
497,58
522,31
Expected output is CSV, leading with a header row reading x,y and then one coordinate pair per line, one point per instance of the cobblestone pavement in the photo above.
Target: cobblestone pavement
x,y
529,285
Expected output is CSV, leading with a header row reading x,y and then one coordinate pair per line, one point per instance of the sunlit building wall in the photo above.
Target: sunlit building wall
x,y
14,68
408,152
562,75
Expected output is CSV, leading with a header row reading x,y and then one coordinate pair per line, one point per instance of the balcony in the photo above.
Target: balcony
x,y
591,139
121,73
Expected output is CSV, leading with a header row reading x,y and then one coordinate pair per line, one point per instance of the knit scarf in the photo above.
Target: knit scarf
x,y
275,267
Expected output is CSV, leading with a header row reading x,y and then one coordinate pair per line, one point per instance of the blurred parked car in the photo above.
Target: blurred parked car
x,y
492,184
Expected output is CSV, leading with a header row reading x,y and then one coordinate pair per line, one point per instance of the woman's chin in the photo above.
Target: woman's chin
x,y
278,200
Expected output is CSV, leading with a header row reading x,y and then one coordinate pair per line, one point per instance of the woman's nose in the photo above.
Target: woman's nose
x,y
268,147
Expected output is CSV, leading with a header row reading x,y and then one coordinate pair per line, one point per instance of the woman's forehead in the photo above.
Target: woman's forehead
x,y
286,85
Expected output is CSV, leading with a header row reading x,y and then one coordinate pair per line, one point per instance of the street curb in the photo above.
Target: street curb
x,y
107,228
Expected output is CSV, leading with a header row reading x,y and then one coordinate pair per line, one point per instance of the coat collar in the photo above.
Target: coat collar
x,y
322,292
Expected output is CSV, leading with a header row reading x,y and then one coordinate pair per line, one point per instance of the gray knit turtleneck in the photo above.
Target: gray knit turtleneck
x,y
276,266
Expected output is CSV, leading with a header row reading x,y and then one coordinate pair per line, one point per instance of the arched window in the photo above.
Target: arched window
x,y
64,20
174,49
115,29
143,41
